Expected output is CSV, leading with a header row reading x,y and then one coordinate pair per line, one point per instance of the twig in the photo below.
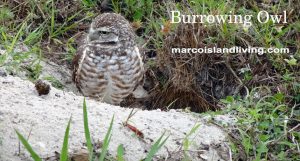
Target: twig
x,y
149,39
39,7
19,143
232,71
130,115
29,134
294,128
234,74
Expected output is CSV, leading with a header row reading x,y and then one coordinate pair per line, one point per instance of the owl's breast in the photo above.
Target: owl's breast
x,y
107,73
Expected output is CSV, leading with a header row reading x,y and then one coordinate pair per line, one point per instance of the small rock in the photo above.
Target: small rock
x,y
42,87
57,95
3,73
8,82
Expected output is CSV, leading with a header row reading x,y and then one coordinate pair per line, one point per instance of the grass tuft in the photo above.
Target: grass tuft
x,y
155,147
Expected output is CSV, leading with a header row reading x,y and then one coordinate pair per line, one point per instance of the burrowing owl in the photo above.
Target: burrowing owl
x,y
109,65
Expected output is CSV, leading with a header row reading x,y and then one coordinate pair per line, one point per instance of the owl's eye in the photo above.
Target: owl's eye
x,y
103,32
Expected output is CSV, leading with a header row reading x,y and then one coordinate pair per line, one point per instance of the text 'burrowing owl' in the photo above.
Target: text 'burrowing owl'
x,y
109,65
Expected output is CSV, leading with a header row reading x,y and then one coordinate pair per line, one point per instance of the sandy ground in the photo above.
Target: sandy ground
x,y
45,118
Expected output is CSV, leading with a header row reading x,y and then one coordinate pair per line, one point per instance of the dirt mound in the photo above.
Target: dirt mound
x,y
43,120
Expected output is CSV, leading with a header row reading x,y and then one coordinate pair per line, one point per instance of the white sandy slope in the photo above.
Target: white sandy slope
x,y
46,118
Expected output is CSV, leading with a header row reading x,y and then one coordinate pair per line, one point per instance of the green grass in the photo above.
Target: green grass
x,y
264,125
87,131
152,15
187,142
36,157
107,140
156,146
38,28
64,150
120,153
89,3
54,82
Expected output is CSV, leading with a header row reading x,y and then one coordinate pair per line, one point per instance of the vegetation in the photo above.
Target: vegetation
x,y
92,155
267,88
267,128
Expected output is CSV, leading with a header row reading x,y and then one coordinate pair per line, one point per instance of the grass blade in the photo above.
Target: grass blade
x,y
87,130
27,146
15,39
106,141
120,153
155,147
64,150
186,142
193,130
52,25
88,3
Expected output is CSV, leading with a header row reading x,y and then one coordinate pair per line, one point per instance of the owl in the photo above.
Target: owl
x,y
108,66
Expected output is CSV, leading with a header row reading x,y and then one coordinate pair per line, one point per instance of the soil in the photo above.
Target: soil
x,y
43,119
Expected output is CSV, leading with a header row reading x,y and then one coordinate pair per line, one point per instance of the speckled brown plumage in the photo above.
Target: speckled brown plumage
x,y
108,66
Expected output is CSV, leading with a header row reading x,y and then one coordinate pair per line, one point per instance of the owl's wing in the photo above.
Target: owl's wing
x,y
79,56
139,91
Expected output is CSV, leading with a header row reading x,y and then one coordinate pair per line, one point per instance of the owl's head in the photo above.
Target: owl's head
x,y
110,28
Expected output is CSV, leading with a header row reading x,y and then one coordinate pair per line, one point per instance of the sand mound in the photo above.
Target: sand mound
x,y
45,119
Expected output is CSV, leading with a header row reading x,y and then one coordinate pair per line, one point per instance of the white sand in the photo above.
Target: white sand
x,y
46,117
